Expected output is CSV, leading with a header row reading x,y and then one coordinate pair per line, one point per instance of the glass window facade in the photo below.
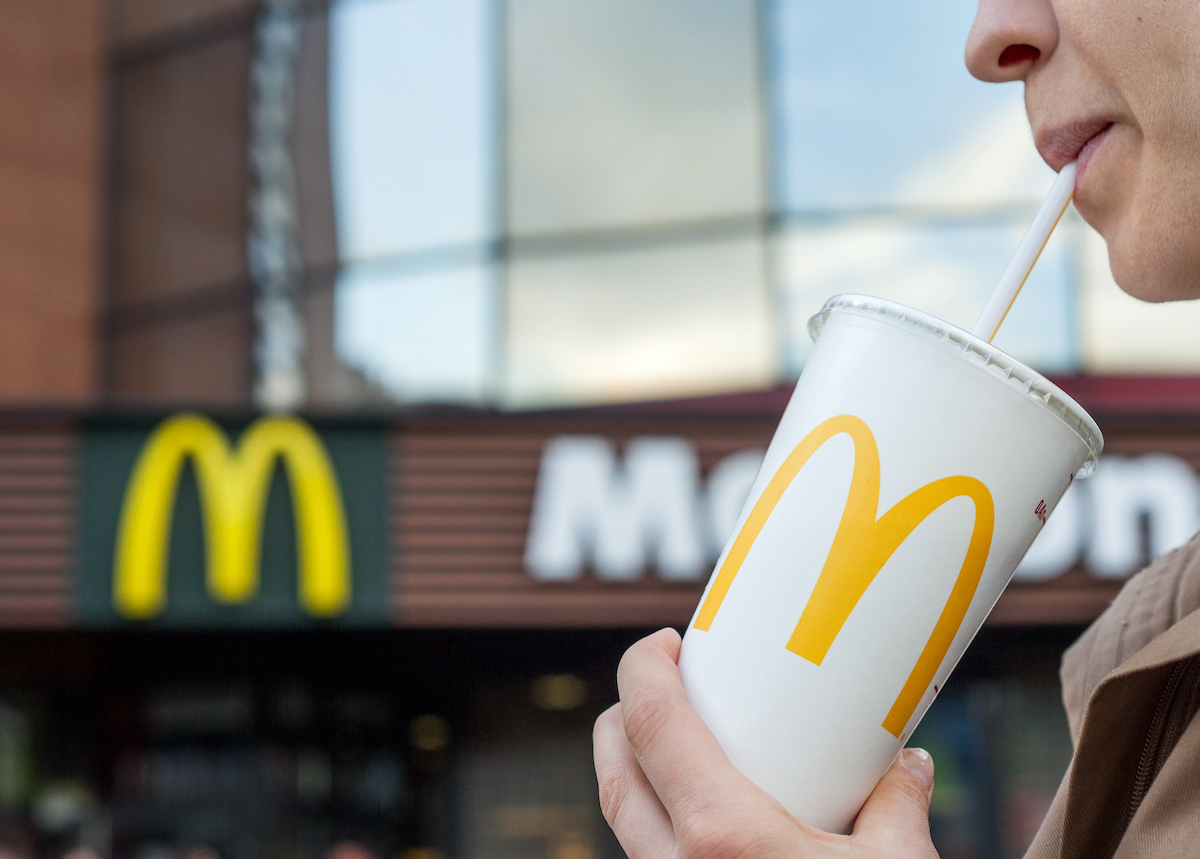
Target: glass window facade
x,y
411,126
631,113
649,199
639,323
524,203
946,267
424,334
899,175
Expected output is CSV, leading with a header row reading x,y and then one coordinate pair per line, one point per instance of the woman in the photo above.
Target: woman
x,y
1116,85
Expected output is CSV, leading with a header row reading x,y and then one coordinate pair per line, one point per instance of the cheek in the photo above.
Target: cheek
x,y
1143,195
1155,250
1145,200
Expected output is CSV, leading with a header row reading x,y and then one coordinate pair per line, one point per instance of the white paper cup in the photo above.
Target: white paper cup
x,y
911,471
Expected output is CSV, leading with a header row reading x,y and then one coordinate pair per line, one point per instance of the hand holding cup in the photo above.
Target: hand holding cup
x,y
668,790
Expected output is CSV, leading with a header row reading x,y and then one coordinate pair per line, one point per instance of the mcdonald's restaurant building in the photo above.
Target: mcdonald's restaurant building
x,y
267,635
236,629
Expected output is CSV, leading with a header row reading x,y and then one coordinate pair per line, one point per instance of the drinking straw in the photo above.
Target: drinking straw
x,y
1027,254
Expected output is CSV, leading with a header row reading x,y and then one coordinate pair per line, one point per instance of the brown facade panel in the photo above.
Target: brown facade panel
x,y
180,327
202,360
463,494
38,485
52,93
310,141
138,20
457,542
417,522
30,541
459,539
1073,598
465,484
182,131
499,579
183,188
494,503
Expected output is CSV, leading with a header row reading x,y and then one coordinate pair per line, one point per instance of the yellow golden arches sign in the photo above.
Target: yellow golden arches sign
x,y
233,487
861,546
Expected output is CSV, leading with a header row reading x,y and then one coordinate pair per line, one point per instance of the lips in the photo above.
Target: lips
x,y
1075,140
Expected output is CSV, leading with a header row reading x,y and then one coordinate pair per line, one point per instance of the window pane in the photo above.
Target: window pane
x,y
874,106
947,270
624,112
425,336
1120,334
644,323
411,126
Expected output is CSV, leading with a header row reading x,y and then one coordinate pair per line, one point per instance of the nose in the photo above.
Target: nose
x,y
1010,37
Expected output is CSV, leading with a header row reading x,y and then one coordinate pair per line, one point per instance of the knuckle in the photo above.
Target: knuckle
x,y
646,717
613,777
614,785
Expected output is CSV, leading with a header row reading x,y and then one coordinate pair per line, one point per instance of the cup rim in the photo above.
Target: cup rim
x,y
995,362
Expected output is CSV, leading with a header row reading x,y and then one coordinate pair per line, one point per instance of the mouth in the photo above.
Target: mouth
x,y
1074,141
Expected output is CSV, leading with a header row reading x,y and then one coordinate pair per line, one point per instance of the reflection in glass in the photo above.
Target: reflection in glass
x,y
631,112
946,269
873,106
645,323
425,336
893,171
411,124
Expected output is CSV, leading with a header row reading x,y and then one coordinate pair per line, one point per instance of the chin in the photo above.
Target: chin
x,y
1153,268
1152,228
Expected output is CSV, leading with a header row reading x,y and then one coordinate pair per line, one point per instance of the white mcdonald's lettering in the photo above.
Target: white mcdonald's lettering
x,y
1102,519
587,508
590,509
613,514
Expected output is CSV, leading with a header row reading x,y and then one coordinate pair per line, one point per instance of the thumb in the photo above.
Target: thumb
x,y
898,808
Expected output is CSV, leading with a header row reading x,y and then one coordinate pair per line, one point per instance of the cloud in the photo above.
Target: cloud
x,y
993,163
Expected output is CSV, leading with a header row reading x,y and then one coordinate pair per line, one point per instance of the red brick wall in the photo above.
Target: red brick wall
x,y
52,121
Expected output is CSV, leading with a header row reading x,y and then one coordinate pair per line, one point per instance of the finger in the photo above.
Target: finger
x,y
629,803
678,753
897,811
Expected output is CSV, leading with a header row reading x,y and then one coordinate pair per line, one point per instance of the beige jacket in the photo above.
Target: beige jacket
x,y
1131,686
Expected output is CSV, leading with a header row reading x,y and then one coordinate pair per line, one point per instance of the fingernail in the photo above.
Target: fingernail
x,y
919,763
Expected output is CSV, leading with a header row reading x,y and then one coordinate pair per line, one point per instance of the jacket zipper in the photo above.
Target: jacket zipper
x,y
1157,738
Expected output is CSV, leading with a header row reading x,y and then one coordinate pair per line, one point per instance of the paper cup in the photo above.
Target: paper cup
x,y
911,471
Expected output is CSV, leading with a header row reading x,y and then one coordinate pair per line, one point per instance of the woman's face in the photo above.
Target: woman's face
x,y
1116,84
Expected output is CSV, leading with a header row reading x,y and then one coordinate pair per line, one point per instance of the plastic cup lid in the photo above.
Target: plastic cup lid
x,y
987,357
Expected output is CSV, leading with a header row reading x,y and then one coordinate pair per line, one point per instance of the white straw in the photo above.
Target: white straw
x,y
1027,254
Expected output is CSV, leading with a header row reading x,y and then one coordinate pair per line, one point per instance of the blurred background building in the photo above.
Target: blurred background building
x,y
499,257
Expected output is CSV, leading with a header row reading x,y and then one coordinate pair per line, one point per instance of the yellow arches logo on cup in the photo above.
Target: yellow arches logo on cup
x,y
233,486
861,546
